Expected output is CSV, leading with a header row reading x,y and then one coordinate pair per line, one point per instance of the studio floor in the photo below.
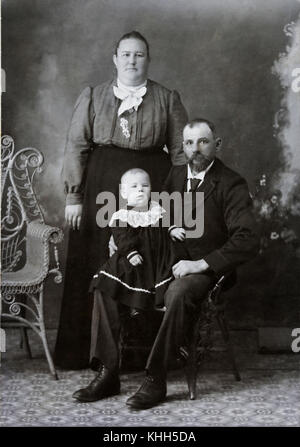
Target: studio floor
x,y
268,395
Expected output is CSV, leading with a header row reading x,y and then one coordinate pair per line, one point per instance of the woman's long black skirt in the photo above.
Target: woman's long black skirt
x,y
88,247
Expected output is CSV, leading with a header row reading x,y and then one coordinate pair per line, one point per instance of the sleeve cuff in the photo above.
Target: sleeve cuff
x,y
131,254
74,198
217,262
171,228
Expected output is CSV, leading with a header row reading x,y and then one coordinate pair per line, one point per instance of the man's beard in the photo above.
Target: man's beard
x,y
198,162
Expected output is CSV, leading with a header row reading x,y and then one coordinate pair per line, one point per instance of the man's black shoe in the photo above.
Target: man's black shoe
x,y
152,391
105,384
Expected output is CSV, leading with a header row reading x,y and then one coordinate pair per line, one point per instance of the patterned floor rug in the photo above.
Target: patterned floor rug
x,y
268,395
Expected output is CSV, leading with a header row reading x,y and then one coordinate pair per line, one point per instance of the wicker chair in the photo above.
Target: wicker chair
x,y
25,245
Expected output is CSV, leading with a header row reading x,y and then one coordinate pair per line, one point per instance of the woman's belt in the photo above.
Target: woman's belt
x,y
156,149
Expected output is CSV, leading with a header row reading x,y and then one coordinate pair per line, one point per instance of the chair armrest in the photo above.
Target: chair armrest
x,y
43,232
39,237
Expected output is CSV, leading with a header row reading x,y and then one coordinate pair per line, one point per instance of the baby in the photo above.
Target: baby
x,y
136,189
142,264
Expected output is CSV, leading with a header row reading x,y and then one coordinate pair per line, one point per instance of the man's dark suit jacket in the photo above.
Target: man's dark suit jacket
x,y
230,236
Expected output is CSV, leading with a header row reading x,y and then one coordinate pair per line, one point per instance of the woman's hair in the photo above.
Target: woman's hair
x,y
133,35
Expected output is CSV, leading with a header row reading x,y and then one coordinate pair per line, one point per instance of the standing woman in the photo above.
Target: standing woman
x,y
121,124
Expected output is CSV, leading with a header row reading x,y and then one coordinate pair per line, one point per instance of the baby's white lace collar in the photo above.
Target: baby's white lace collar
x,y
139,218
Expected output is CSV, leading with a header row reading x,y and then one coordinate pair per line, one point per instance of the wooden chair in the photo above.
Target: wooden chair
x,y
25,245
213,309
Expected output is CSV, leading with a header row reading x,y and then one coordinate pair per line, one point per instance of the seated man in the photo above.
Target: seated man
x,y
229,239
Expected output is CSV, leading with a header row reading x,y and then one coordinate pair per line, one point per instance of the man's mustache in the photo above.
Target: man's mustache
x,y
198,156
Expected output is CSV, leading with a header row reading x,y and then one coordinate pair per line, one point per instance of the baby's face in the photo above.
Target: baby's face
x,y
136,189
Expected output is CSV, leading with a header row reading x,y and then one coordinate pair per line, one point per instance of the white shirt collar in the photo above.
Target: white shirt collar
x,y
201,174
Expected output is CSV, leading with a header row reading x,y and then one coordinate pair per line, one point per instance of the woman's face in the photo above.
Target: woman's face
x,y
132,62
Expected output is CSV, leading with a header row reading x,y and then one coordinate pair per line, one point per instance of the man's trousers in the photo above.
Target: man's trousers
x,y
183,304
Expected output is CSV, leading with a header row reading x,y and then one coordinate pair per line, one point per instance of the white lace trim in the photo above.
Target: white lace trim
x,y
164,282
139,218
137,289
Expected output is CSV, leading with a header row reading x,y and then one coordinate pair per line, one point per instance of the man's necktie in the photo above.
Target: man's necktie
x,y
194,184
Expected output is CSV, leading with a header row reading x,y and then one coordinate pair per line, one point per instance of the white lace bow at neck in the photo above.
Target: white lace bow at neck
x,y
131,97
139,218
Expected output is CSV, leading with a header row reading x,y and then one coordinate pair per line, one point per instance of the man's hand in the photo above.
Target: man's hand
x,y
112,246
183,268
73,215
136,259
177,234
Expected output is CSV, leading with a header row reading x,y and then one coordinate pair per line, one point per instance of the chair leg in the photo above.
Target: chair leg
x,y
226,337
47,352
25,341
191,367
191,373
21,338
43,336
121,346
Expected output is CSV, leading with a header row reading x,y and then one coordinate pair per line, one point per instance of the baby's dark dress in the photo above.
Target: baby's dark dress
x,y
142,286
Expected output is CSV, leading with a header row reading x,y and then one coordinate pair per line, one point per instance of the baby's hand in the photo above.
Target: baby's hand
x,y
177,234
136,259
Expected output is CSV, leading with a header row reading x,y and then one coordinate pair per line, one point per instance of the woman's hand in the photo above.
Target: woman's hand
x,y
73,215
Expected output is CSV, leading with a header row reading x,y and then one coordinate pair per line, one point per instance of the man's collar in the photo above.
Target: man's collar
x,y
200,174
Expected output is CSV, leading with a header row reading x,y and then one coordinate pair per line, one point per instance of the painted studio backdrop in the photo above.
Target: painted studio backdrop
x,y
233,62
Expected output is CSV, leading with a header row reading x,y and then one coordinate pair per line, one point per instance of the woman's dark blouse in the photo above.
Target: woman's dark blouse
x,y
158,122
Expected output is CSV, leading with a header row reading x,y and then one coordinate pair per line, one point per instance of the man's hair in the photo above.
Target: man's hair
x,y
134,171
196,121
133,35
